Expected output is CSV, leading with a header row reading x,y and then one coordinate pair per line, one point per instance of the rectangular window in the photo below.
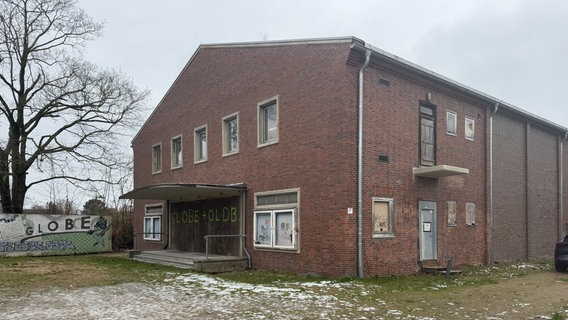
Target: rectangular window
x,y
469,128
176,152
470,213
268,122
157,158
153,223
231,134
427,136
275,220
383,217
201,144
451,123
452,213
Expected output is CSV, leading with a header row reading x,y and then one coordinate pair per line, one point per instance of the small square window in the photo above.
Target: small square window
x,y
201,144
469,128
451,123
268,122
157,158
176,153
383,217
230,134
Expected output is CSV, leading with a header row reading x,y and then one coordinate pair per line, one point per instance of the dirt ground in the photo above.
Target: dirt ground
x,y
538,295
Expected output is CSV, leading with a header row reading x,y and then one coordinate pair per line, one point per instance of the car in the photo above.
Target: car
x,y
561,255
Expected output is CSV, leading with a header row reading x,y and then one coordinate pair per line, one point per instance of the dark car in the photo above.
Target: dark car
x,y
561,255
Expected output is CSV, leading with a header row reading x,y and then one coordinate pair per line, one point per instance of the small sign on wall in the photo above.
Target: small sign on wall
x,y
349,210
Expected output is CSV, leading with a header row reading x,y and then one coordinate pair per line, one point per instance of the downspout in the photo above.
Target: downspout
x,y
561,228
360,169
491,208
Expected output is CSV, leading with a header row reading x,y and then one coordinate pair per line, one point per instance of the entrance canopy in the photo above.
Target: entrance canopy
x,y
185,192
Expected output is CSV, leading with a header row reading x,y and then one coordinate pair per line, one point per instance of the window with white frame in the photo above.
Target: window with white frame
x,y
230,134
157,158
469,128
383,217
176,152
201,144
268,122
275,220
153,222
451,123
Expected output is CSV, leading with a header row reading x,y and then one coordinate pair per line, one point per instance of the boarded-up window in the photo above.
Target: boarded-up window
x,y
427,136
470,213
383,217
452,213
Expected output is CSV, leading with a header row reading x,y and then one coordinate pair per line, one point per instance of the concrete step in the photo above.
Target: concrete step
x,y
164,260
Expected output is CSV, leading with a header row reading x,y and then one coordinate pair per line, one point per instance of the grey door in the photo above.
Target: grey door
x,y
427,230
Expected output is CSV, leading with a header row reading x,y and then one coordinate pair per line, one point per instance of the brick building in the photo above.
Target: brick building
x,y
333,157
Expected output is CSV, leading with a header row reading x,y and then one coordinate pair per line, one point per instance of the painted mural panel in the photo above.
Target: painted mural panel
x,y
34,234
191,221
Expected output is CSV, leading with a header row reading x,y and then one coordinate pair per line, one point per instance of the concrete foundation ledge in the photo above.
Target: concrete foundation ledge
x,y
212,266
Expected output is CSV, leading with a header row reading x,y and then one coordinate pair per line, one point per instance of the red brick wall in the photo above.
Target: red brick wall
x,y
392,129
316,150
317,153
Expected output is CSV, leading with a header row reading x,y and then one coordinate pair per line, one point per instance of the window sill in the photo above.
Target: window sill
x,y
281,250
200,161
230,154
266,144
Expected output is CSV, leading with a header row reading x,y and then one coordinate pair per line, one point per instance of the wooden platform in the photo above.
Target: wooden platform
x,y
436,267
191,260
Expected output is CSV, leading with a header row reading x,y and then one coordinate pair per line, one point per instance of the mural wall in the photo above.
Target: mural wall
x,y
34,234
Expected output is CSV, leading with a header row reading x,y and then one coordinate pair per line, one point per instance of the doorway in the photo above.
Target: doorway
x,y
427,234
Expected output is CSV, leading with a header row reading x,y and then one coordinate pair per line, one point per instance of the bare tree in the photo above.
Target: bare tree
x,y
60,115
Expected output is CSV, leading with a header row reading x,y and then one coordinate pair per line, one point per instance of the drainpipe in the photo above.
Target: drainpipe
x,y
561,228
491,209
360,169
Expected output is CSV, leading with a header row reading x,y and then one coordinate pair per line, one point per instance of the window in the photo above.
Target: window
x,y
176,153
268,122
452,213
451,123
383,217
153,222
469,128
427,136
230,134
201,144
470,213
275,220
157,158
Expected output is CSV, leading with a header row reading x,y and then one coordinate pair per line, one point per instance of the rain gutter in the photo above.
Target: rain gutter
x,y
491,208
360,169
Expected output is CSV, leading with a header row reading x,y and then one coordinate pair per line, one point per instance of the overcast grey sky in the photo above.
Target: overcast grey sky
x,y
514,50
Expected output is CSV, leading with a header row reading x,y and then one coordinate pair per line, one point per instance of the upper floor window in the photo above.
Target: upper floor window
x,y
231,134
268,122
427,135
469,128
176,152
157,158
201,144
451,123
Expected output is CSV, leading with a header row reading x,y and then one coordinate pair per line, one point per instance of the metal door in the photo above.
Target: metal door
x,y
428,240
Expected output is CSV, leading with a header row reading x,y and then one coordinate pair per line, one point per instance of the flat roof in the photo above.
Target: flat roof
x,y
185,191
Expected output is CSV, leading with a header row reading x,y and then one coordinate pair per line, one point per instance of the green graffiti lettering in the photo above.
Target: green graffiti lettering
x,y
226,214
211,215
234,216
195,216
184,217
